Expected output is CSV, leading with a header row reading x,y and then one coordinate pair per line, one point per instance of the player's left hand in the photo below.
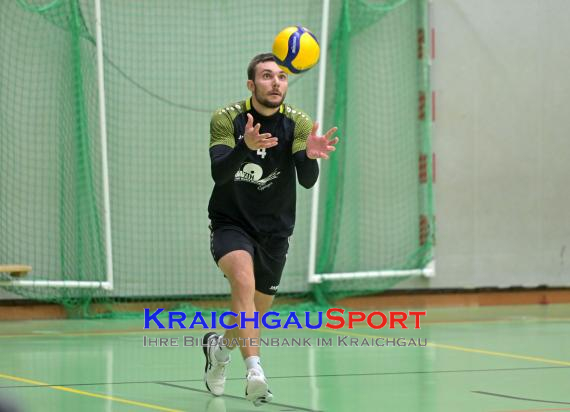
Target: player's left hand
x,y
319,147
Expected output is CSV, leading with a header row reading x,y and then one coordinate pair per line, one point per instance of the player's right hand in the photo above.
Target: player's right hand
x,y
253,139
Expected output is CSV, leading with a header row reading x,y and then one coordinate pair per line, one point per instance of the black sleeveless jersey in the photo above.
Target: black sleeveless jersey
x,y
261,196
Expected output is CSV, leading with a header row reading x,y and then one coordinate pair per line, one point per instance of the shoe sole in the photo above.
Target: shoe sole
x,y
260,394
205,348
264,399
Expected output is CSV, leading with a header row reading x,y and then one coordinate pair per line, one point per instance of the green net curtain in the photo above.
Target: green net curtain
x,y
167,67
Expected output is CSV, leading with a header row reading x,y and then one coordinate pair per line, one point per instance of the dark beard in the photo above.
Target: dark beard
x,y
267,103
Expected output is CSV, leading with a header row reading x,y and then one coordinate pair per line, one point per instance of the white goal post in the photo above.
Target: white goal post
x,y
312,276
108,283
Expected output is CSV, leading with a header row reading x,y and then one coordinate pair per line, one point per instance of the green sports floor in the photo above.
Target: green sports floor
x,y
499,359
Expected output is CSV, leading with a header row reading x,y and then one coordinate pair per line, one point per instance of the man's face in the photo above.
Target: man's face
x,y
270,85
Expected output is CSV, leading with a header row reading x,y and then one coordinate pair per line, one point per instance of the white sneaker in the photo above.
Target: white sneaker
x,y
214,371
257,389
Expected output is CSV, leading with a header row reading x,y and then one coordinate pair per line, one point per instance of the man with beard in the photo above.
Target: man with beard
x,y
256,145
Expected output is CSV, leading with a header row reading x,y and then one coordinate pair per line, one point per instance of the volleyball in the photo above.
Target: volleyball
x,y
296,49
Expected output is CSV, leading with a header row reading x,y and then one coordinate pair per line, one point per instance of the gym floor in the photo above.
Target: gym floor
x,y
503,358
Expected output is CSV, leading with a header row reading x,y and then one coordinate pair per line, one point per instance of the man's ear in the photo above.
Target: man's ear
x,y
250,85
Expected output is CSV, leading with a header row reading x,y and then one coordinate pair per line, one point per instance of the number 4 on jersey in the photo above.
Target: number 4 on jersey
x,y
262,153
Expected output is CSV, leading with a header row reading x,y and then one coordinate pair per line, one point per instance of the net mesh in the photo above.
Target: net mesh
x,y
166,68
377,206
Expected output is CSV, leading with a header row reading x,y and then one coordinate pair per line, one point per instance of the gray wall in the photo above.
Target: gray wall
x,y
501,76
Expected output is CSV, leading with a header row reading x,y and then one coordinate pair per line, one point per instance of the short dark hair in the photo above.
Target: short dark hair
x,y
260,58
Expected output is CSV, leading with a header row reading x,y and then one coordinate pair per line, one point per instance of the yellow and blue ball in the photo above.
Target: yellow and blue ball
x,y
296,49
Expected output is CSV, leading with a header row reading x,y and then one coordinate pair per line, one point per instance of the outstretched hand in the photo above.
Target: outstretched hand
x,y
253,139
319,147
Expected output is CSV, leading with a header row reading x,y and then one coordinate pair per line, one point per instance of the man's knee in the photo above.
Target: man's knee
x,y
238,268
242,281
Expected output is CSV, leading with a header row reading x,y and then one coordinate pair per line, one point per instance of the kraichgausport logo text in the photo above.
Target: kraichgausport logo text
x,y
336,318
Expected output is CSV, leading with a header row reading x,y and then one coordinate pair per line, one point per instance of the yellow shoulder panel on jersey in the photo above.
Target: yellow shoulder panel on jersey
x,y
303,126
222,124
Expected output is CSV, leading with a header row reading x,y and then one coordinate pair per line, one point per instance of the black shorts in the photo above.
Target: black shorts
x,y
268,253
